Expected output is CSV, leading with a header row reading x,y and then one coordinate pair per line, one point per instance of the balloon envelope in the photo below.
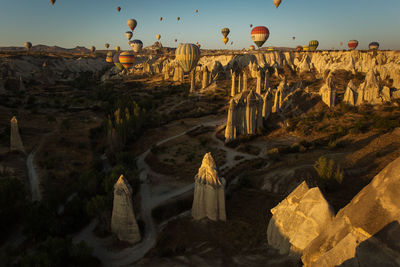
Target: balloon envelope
x,y
53,2
92,49
117,48
259,35
116,61
160,18
187,56
28,45
132,24
225,32
352,44
109,58
128,35
126,59
306,48
119,9
107,45
252,47
277,3
136,45
313,45
225,40
373,46
251,25
158,37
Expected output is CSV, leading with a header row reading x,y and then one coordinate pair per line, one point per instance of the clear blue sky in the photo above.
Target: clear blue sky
x,y
94,22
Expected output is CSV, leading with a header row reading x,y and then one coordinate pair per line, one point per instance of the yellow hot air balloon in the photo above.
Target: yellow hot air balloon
x,y
117,48
109,58
225,40
313,45
187,56
277,3
158,37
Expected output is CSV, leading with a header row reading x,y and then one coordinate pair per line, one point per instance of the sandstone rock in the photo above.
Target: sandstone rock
x,y
21,84
369,90
205,81
230,131
365,231
258,86
209,192
350,95
298,219
267,105
193,80
123,221
251,112
244,87
328,93
233,87
15,138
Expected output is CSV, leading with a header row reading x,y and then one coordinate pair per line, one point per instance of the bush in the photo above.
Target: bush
x,y
327,173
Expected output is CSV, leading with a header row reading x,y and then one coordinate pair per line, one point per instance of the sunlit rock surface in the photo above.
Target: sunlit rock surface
x,y
15,138
209,192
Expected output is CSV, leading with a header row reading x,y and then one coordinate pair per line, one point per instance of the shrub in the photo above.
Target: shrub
x,y
326,171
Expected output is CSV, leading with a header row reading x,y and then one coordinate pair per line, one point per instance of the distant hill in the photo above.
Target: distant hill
x,y
45,48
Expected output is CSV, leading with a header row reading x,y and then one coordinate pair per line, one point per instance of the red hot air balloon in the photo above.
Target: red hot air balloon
x,y
259,35
352,44
119,9
132,23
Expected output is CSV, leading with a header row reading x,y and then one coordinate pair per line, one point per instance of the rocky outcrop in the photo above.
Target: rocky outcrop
x,y
123,221
298,220
206,78
21,84
369,90
15,138
268,103
230,131
209,192
366,232
328,92
233,87
350,95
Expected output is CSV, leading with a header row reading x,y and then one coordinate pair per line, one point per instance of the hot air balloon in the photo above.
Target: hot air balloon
x,y
259,35
277,3
225,32
109,57
158,37
225,40
126,59
53,2
107,45
373,46
270,48
160,18
92,49
306,48
293,38
341,43
132,24
136,45
352,44
198,45
128,35
313,45
251,25
118,8
231,43
299,48
197,11
178,18
117,48
116,61
252,47
187,56
28,45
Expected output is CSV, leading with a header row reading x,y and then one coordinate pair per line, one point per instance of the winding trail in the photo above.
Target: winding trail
x,y
149,200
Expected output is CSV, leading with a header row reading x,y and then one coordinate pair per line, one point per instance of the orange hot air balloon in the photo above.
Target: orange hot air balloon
x,y
158,37
126,59
53,2
277,3
225,40
119,9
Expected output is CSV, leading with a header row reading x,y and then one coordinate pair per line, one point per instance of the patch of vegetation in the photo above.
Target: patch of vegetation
x,y
329,172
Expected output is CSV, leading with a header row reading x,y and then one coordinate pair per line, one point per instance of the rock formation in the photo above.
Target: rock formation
x,y
123,221
251,113
267,105
209,192
193,80
259,82
298,219
350,95
230,131
233,87
205,81
366,232
15,138
328,93
369,90
239,89
21,84
266,79
244,87
166,73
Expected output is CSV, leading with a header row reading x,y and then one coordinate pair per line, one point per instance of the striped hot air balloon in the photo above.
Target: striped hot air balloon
x,y
109,57
116,61
187,56
132,23
313,45
352,44
259,35
117,48
299,48
225,40
373,46
136,45
126,59
306,48
225,32
252,47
